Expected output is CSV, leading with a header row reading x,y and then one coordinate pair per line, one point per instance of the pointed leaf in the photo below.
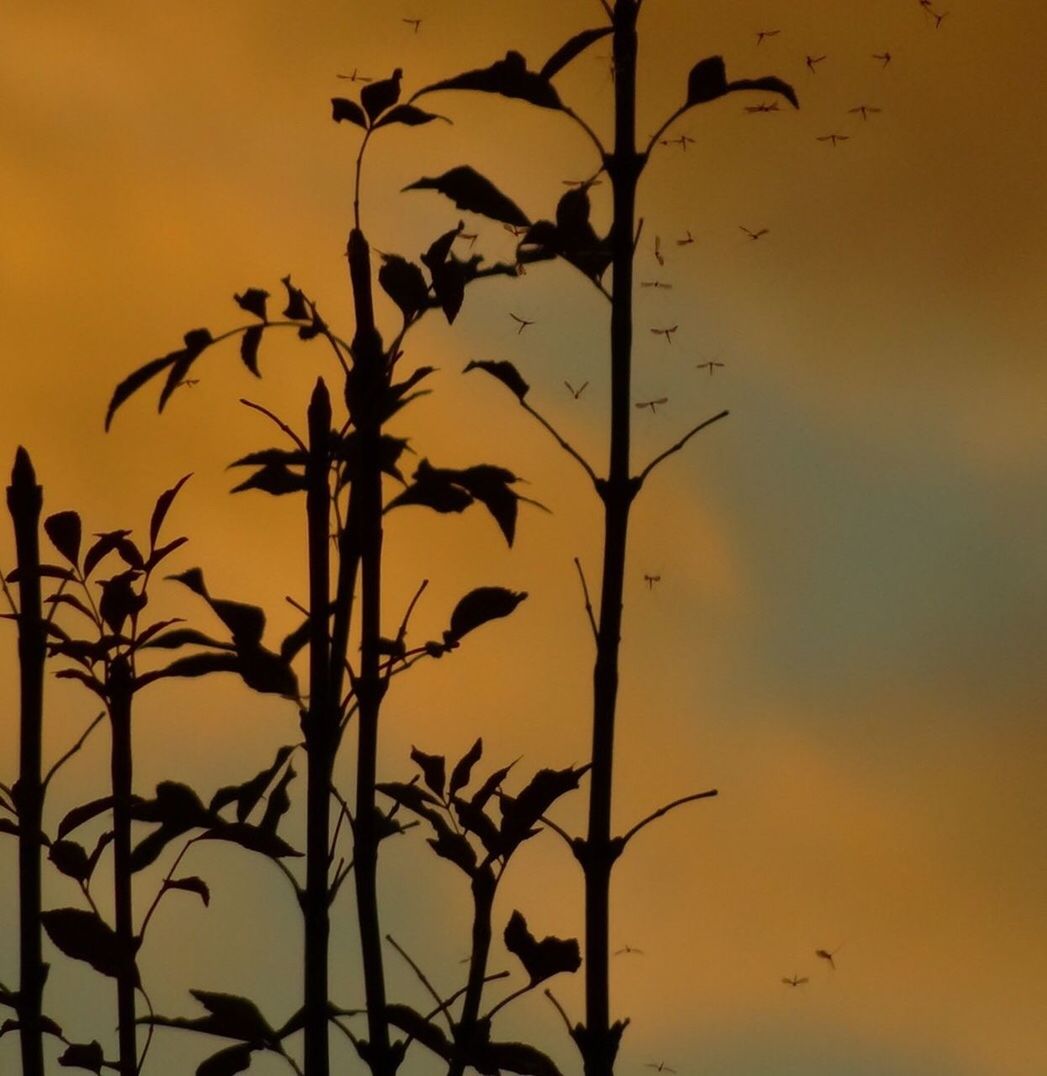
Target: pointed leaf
x,y
246,796
191,884
253,301
404,283
480,606
252,838
571,48
409,115
433,769
505,372
449,285
475,193
275,479
136,380
103,546
84,813
71,859
196,342
464,767
296,309
344,109
227,1062
768,84
171,640
508,77
376,97
456,848
279,803
81,935
163,505
541,959
64,530
83,1056
708,80
249,342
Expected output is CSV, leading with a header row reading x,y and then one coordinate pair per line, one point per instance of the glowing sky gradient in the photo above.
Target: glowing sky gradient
x,y
848,636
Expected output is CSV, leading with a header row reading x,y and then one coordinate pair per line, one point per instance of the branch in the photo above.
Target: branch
x,y
588,602
283,425
665,810
565,445
664,127
72,750
340,876
568,839
570,112
676,448
559,1008
509,997
425,982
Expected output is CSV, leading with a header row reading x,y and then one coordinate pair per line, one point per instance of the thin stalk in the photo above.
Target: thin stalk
x,y
25,500
601,1040
483,901
321,736
119,688
364,390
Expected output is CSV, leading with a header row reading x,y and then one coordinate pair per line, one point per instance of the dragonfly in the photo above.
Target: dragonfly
x,y
687,239
654,284
653,404
667,333
355,77
650,580
794,981
811,61
576,392
682,142
711,366
189,382
659,1066
628,949
764,106
416,23
754,235
884,57
522,322
864,110
761,34
515,230
658,250
833,138
581,182
825,954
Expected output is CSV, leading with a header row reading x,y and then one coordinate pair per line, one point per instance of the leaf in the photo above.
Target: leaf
x,y
279,803
64,530
83,1056
192,666
505,372
163,506
522,812
192,884
229,1016
81,935
480,606
376,97
475,193
432,490
449,285
246,622
249,348
86,679
163,551
433,769
252,838
344,109
417,1027
404,283
71,859
474,820
508,77
177,809
409,115
71,600
456,848
708,80
572,48
171,640
490,486
104,545
196,342
464,767
440,248
135,381
296,309
268,673
84,813
227,1062
275,479
488,788
541,959
43,571
517,1057
119,599
253,301
412,797
246,796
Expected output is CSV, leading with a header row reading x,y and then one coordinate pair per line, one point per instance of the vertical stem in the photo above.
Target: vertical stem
x,y
320,739
25,500
119,689
364,391
483,902
601,1040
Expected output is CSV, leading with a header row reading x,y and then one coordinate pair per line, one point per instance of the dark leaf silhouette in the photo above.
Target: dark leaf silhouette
x,y
84,813
376,97
344,109
163,551
253,301
192,666
191,884
246,622
177,809
505,372
517,1057
229,1016
432,489
90,682
130,554
253,838
297,309
522,812
416,1025
474,820
449,285
412,797
440,248
572,48
171,640
409,115
227,1062
275,479
488,788
490,486
464,768
541,959
83,1056
81,935
196,341
509,77
73,601
247,795
47,1026
478,607
708,81
249,342
103,546
135,381
163,506
455,847
64,530
404,283
475,193
71,859
279,803
119,599
433,769
43,571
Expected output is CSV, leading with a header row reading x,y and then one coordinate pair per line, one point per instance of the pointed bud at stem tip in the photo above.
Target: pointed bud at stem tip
x,y
24,494
320,403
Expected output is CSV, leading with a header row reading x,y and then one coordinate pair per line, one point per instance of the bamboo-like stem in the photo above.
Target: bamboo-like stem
x,y
484,884
321,735
600,1041
119,688
364,389
25,500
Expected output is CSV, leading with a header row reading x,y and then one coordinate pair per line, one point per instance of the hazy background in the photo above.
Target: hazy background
x,y
848,635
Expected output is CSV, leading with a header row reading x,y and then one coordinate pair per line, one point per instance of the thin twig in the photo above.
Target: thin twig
x,y
149,1033
564,444
164,884
509,997
679,444
421,975
343,872
588,601
560,1009
341,1027
279,422
665,810
664,127
567,838
570,112
444,1005
72,750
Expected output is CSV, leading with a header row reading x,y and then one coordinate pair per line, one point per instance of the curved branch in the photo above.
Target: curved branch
x,y
72,750
676,447
665,810
588,601
425,982
562,442
279,421
664,127
593,137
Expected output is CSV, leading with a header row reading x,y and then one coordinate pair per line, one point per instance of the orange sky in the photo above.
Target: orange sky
x,y
847,639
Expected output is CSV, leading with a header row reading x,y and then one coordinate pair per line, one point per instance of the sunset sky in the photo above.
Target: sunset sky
x,y
847,639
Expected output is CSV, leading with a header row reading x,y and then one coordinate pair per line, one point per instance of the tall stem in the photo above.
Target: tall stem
x,y
601,1040
320,739
119,687
364,390
483,902
25,500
